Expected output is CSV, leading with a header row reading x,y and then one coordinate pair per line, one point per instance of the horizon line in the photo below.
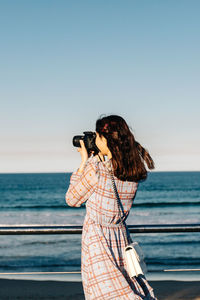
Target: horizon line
x,y
53,172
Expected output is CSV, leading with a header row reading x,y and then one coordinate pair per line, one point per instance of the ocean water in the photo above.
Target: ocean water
x,y
164,198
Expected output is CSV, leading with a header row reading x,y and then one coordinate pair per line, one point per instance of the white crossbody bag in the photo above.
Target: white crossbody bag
x,y
133,253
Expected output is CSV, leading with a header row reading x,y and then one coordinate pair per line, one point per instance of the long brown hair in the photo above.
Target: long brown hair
x,y
128,156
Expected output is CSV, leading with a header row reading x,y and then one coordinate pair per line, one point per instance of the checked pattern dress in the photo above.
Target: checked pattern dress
x,y
103,268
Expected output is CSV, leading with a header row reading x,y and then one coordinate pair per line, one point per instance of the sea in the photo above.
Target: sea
x,y
36,199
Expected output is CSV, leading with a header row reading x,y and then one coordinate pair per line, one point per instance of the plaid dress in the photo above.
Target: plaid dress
x,y
103,268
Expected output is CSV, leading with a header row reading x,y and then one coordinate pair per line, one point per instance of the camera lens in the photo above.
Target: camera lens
x,y
76,140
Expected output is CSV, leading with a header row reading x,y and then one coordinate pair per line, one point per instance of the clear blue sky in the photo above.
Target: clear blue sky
x,y
64,63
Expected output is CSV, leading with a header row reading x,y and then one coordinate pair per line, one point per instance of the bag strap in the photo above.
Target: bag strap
x,y
119,204
120,207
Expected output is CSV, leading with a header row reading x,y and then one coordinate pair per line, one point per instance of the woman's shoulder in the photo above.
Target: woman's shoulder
x,y
98,164
92,161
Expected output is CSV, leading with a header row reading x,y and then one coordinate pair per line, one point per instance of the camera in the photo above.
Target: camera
x,y
89,141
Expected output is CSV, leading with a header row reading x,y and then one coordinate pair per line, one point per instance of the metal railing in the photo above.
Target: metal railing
x,y
77,229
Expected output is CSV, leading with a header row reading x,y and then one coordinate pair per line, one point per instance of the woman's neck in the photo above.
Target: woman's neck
x,y
102,157
109,155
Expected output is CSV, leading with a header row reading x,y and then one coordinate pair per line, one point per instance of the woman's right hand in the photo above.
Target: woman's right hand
x,y
83,152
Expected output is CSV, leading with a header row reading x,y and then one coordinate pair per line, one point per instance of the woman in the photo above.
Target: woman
x,y
103,268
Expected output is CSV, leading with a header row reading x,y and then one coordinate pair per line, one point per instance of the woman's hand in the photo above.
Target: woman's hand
x,y
83,152
84,156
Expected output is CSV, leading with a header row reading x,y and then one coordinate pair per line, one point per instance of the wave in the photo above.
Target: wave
x,y
135,205
39,207
38,262
167,204
55,264
177,261
171,243
65,242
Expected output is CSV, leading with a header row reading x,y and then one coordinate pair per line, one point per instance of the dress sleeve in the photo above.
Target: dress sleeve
x,y
82,185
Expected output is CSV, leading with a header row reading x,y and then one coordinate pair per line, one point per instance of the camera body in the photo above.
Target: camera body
x,y
89,141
